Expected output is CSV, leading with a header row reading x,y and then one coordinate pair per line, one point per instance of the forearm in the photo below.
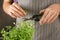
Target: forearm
x,y
6,3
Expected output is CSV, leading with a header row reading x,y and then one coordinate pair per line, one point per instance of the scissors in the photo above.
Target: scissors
x,y
35,17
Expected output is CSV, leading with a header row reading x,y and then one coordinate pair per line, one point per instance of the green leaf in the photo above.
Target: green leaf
x,y
23,32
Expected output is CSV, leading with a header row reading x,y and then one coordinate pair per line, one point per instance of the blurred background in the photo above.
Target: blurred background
x,y
4,18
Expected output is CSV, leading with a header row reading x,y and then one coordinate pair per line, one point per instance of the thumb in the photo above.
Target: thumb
x,y
42,11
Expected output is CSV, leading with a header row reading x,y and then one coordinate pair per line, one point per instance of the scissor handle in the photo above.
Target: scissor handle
x,y
37,17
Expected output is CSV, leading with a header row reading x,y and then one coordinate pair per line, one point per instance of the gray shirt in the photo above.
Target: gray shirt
x,y
44,32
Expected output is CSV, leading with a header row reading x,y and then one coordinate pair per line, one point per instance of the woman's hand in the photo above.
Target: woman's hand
x,y
14,10
50,14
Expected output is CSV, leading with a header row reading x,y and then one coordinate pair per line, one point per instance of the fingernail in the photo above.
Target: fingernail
x,y
41,22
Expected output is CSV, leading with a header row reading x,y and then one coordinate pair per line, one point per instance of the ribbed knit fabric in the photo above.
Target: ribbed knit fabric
x,y
47,31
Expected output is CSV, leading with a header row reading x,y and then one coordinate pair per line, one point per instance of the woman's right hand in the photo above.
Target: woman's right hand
x,y
15,11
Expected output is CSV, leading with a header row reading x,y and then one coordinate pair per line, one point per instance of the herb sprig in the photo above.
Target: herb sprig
x,y
23,32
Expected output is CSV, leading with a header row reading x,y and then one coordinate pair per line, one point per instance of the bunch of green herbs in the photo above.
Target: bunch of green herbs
x,y
25,31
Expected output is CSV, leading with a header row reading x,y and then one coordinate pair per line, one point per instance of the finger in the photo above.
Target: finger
x,y
15,9
42,11
19,8
44,16
48,16
52,18
11,14
14,12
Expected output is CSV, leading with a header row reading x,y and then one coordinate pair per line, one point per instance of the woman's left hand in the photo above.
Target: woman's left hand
x,y
50,14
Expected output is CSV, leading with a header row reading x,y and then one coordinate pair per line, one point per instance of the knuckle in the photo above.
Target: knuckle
x,y
13,12
48,22
48,9
13,4
13,17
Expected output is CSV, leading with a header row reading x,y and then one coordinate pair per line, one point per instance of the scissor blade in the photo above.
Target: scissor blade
x,y
26,19
34,17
